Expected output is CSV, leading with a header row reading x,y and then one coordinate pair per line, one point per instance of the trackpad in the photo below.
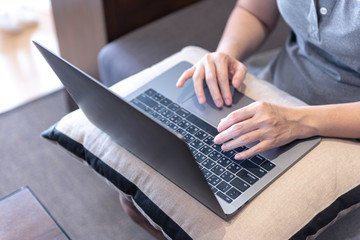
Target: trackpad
x,y
212,114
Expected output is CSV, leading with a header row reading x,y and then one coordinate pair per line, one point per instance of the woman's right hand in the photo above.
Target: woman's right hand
x,y
219,70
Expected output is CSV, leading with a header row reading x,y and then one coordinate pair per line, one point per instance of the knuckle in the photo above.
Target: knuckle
x,y
242,67
197,77
236,129
260,105
208,57
209,77
244,139
232,117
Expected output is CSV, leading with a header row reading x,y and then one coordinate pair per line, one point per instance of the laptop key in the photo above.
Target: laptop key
x,y
192,129
239,184
167,113
229,154
201,135
173,107
193,150
237,161
209,140
208,163
173,126
268,165
224,197
156,115
203,125
214,180
233,193
147,100
183,112
215,155
217,147
247,177
159,108
240,149
234,168
206,172
181,131
218,170
227,176
196,143
138,104
253,168
165,121
150,92
223,186
175,118
158,97
206,149
166,102
184,124
224,161
199,157
188,138
257,159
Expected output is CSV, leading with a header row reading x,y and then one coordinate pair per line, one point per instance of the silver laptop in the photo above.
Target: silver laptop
x,y
166,128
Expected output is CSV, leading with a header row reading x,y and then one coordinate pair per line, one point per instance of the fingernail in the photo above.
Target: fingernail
x,y
239,156
201,100
218,103
228,101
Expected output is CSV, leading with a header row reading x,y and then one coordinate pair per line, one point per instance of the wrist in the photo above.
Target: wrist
x,y
306,123
228,50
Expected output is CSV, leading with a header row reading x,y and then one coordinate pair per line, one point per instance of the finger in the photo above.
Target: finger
x,y
212,82
237,116
185,76
254,150
242,140
198,79
223,80
238,71
235,131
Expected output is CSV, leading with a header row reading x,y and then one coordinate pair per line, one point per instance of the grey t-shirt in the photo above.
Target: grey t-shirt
x,y
320,63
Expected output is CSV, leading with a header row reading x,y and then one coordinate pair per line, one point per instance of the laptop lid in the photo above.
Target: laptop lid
x,y
163,150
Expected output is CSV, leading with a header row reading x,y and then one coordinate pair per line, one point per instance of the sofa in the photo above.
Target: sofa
x,y
199,23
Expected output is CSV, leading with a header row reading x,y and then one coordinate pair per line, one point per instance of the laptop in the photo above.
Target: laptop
x,y
170,131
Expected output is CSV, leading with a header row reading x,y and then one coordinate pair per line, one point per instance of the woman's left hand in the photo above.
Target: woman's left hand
x,y
271,125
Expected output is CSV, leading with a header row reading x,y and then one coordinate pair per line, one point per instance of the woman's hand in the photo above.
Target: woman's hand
x,y
217,69
269,124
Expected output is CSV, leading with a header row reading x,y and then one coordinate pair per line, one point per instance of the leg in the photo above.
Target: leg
x,y
137,217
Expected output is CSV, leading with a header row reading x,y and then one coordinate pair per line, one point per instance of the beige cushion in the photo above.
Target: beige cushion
x,y
280,211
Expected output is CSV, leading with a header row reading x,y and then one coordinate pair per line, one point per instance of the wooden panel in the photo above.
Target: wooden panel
x,y
83,27
23,217
123,16
80,29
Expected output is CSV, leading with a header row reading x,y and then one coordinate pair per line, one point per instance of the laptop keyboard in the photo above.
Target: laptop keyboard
x,y
228,177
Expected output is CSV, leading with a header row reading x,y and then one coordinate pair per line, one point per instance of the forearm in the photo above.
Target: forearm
x,y
336,120
244,31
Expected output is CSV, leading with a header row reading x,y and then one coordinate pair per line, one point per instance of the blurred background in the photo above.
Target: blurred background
x,y
24,74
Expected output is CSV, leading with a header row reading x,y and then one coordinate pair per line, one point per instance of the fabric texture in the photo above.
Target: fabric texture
x,y
307,190
322,50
